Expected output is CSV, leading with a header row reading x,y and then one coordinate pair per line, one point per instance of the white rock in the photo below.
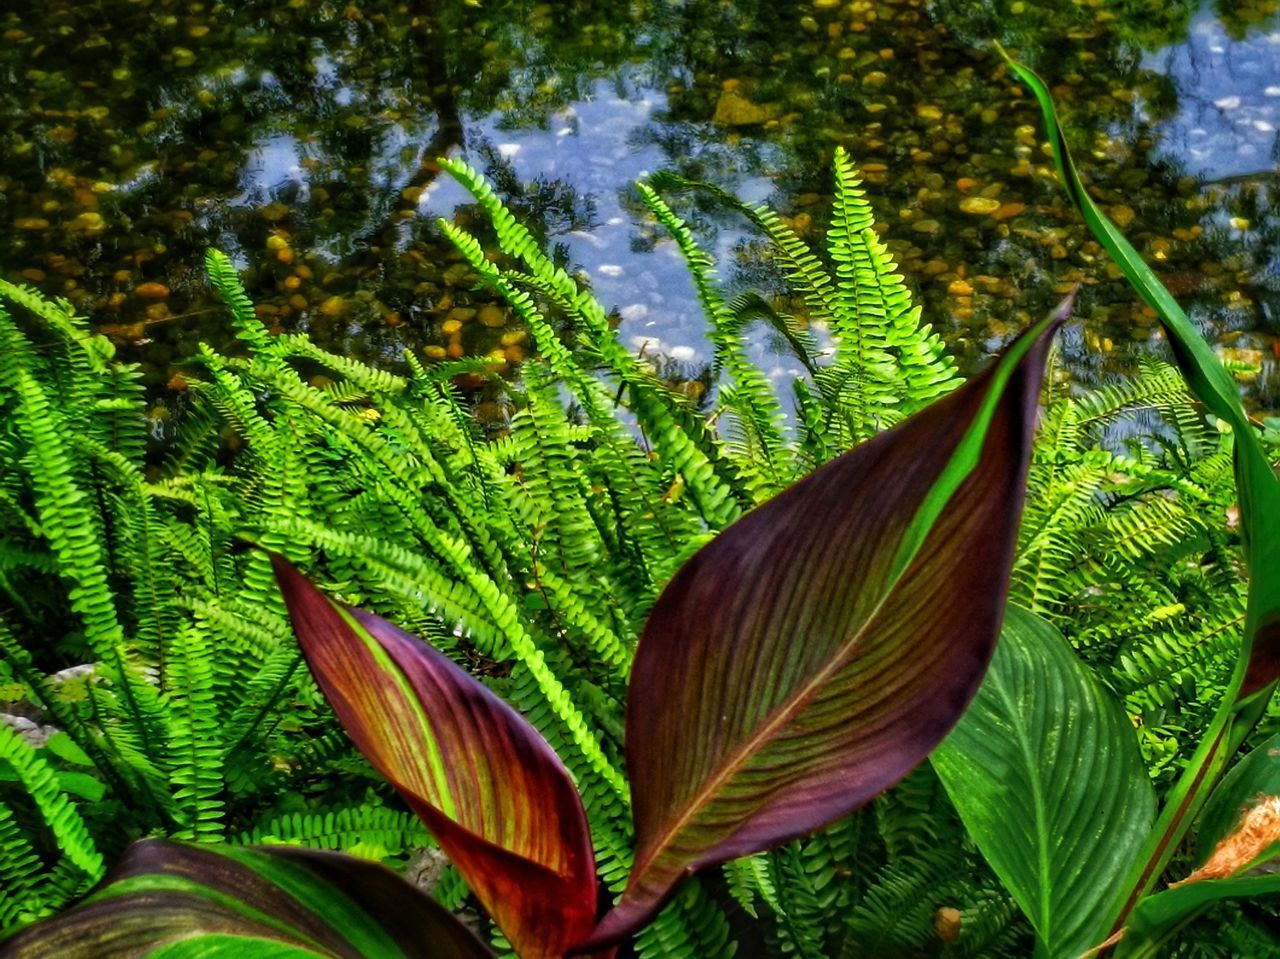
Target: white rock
x,y
587,237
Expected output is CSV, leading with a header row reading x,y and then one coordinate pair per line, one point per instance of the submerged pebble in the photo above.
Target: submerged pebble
x,y
980,205
316,177
151,291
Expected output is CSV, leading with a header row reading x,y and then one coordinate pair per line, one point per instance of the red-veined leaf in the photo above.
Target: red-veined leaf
x,y
170,899
816,651
494,794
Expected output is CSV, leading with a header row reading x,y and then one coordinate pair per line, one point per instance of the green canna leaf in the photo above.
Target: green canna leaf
x,y
167,899
1256,482
1157,918
1045,772
814,652
494,794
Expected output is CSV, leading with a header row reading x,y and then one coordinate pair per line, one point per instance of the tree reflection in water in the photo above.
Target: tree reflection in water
x,y
301,138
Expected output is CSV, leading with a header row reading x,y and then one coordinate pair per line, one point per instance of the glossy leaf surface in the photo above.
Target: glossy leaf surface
x,y
171,900
814,652
1045,772
494,794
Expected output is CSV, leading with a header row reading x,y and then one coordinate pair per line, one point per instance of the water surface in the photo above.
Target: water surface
x,y
301,138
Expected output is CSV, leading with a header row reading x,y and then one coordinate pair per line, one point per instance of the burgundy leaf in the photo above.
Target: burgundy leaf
x,y
494,794
813,653
232,901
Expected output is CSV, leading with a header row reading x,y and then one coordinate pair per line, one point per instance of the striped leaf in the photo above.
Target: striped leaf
x,y
487,785
814,652
1045,772
171,900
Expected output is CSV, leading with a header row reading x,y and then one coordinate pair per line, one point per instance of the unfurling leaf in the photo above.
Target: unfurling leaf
x,y
816,651
171,900
1255,837
494,794
1238,839
1045,772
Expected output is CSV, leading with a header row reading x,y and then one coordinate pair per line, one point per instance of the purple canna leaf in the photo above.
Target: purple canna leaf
x,y
175,900
816,651
494,794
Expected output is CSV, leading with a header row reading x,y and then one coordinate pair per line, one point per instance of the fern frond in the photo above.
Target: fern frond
x,y
762,457
196,744
20,868
374,832
226,283
59,813
690,927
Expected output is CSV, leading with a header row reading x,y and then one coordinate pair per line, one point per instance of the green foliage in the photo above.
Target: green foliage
x,y
1126,547
1042,757
150,684
886,363
1255,672
139,627
534,555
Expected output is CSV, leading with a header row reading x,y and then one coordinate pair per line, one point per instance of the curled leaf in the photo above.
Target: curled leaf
x,y
1240,825
814,652
1257,832
494,794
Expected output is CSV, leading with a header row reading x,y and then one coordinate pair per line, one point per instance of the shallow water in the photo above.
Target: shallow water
x,y
300,137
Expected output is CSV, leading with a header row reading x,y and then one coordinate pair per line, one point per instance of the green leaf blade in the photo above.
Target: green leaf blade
x,y
1046,775
1157,918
